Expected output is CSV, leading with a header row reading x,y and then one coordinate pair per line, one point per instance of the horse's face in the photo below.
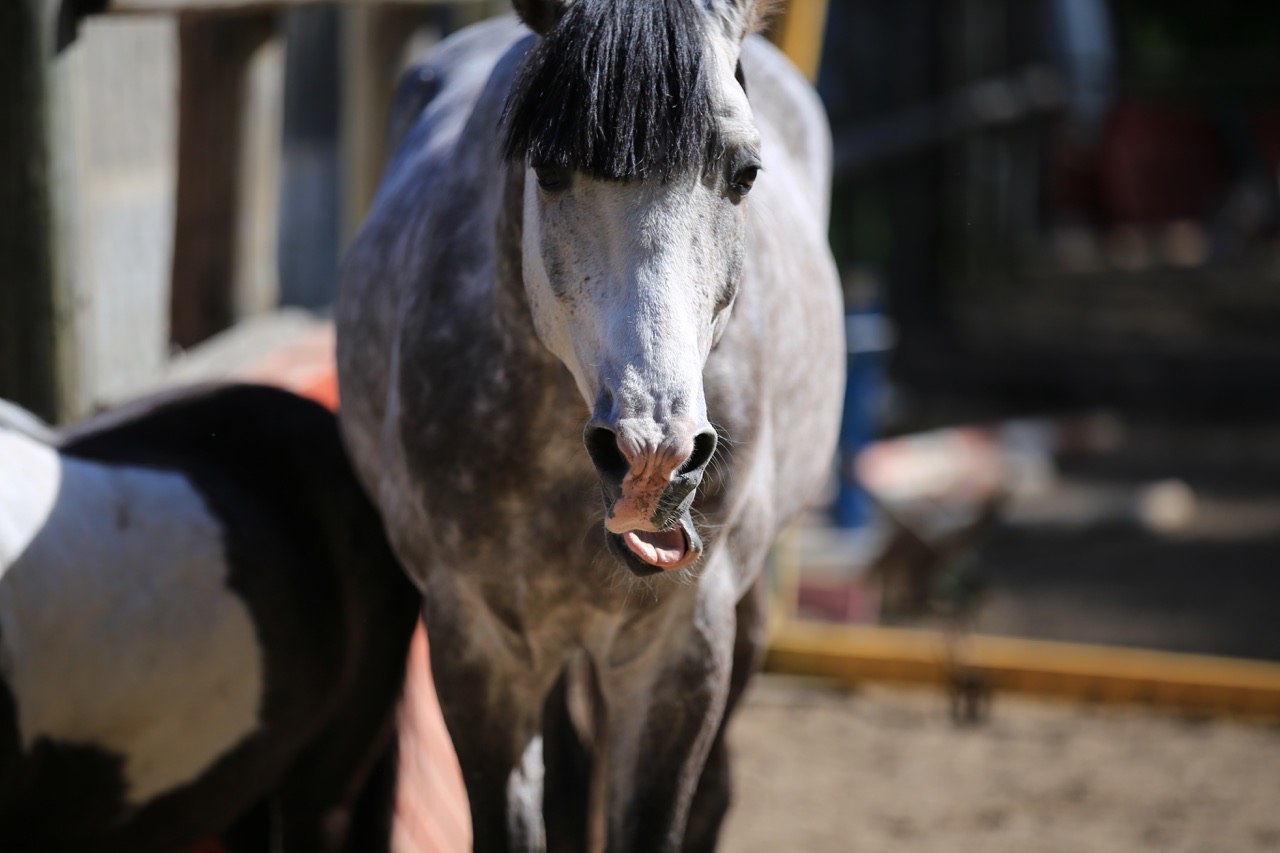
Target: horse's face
x,y
631,281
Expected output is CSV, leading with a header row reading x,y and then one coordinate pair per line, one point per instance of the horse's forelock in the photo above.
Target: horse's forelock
x,y
618,90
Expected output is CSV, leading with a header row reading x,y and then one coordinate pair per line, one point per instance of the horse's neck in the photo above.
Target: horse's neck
x,y
521,342
510,369
511,302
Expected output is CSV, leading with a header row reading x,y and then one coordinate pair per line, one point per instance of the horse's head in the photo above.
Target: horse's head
x,y
631,122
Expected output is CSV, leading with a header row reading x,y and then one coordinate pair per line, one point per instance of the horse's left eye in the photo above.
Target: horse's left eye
x,y
551,178
744,179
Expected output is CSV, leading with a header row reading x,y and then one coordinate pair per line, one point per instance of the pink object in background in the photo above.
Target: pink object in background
x,y
432,814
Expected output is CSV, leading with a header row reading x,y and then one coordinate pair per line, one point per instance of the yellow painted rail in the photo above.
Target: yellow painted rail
x,y
798,29
1183,682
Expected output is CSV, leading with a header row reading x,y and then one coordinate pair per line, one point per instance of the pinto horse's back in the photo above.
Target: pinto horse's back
x,y
198,613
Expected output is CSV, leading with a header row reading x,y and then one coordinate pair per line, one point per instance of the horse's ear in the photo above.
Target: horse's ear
x,y
540,15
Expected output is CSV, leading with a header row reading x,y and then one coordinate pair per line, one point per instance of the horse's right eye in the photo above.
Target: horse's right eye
x,y
551,178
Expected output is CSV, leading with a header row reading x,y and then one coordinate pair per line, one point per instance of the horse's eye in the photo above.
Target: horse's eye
x,y
744,179
551,178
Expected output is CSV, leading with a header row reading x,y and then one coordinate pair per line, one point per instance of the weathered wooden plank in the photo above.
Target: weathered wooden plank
x,y
373,43
310,225
177,6
38,365
215,54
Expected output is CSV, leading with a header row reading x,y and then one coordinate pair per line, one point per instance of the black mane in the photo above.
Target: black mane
x,y
618,90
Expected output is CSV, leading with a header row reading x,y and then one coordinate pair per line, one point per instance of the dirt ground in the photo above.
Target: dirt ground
x,y
821,769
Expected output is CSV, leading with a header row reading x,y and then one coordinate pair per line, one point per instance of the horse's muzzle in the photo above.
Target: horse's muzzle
x,y
648,494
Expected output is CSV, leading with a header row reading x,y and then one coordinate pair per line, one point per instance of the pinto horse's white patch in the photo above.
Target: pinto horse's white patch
x,y
117,628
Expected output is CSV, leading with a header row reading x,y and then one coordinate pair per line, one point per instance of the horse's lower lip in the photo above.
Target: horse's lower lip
x,y
666,549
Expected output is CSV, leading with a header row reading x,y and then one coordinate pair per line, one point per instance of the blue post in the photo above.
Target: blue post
x,y
870,338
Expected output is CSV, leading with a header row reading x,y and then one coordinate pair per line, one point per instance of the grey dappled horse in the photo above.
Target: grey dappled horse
x,y
571,236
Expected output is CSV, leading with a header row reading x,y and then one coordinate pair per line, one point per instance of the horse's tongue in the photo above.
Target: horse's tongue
x,y
662,549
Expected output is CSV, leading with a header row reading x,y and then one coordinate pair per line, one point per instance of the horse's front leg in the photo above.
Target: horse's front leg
x,y
711,801
664,710
491,699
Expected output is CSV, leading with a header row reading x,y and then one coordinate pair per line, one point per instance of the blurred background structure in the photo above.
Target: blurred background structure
x,y
178,167
1057,221
1064,217
1058,224
1065,203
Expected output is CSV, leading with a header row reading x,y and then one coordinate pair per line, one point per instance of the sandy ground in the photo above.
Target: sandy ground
x,y
819,769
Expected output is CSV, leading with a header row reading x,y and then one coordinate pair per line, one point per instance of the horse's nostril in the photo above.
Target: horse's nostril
x,y
704,447
602,447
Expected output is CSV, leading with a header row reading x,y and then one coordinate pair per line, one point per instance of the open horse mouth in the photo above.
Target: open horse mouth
x,y
648,552
648,505
666,549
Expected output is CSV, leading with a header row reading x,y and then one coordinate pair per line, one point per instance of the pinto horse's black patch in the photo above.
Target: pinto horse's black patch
x,y
332,615
619,91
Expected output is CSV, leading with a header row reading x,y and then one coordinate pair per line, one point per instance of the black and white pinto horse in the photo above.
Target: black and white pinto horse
x,y
202,631
572,233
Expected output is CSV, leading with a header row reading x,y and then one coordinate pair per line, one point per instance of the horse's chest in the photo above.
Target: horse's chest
x,y
117,629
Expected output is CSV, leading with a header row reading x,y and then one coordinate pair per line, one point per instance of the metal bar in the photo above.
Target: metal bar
x,y
1034,93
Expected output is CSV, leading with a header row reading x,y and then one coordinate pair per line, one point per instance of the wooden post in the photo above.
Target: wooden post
x,y
38,365
373,42
310,226
215,50
798,32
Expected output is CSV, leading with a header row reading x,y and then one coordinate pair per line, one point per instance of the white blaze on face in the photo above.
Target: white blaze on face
x,y
117,628
623,281
630,282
